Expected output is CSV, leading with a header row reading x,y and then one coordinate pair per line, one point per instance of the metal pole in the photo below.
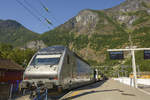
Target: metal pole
x,y
134,69
132,49
46,95
11,89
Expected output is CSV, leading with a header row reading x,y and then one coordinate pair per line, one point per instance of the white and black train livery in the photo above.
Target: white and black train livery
x,y
57,67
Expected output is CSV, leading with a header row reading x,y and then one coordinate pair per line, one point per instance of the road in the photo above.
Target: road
x,y
109,90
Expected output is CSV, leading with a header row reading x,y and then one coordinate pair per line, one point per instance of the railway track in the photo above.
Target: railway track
x,y
52,95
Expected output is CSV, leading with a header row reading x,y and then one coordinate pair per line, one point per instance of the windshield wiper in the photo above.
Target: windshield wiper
x,y
34,66
52,65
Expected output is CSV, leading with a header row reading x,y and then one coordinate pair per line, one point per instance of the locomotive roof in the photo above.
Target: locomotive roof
x,y
52,49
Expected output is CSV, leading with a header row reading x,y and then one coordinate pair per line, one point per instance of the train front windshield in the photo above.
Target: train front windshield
x,y
46,60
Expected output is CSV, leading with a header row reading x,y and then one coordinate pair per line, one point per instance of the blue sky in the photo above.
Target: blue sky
x,y
59,11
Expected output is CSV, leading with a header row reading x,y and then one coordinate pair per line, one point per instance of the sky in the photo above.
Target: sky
x,y
33,15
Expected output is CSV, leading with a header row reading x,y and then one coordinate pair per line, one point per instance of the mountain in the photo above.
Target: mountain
x,y
92,32
131,6
14,33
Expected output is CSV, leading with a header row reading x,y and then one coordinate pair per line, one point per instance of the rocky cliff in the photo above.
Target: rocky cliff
x,y
91,32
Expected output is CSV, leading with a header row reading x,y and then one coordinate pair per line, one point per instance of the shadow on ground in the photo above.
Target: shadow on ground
x,y
97,91
92,86
91,92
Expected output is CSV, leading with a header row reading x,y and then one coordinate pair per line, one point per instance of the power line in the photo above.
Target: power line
x,y
47,10
46,19
37,12
32,7
34,15
43,6
28,10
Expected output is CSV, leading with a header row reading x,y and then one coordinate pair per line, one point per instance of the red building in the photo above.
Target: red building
x,y
10,71
10,76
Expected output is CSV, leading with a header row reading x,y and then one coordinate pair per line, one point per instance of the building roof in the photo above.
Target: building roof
x,y
9,65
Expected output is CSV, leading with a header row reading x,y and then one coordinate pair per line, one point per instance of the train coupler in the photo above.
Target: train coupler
x,y
38,92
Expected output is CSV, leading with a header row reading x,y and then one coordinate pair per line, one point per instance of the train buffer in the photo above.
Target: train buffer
x,y
38,94
106,90
41,96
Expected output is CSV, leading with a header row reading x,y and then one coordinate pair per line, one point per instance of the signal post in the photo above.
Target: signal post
x,y
132,50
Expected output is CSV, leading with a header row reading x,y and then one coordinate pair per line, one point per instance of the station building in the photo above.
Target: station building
x,y
10,76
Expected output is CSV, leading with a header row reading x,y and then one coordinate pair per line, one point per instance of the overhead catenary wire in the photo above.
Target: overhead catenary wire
x,y
37,11
34,15
32,7
46,19
47,10
42,4
28,10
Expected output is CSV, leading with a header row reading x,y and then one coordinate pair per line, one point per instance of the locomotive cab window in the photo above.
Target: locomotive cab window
x,y
46,60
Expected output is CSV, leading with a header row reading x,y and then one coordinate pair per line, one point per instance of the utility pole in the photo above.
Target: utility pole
x,y
133,62
134,68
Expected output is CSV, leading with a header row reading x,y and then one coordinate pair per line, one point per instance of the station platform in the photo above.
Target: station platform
x,y
108,90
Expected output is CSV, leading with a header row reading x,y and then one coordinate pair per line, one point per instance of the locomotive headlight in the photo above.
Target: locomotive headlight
x,y
54,67
25,78
54,78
